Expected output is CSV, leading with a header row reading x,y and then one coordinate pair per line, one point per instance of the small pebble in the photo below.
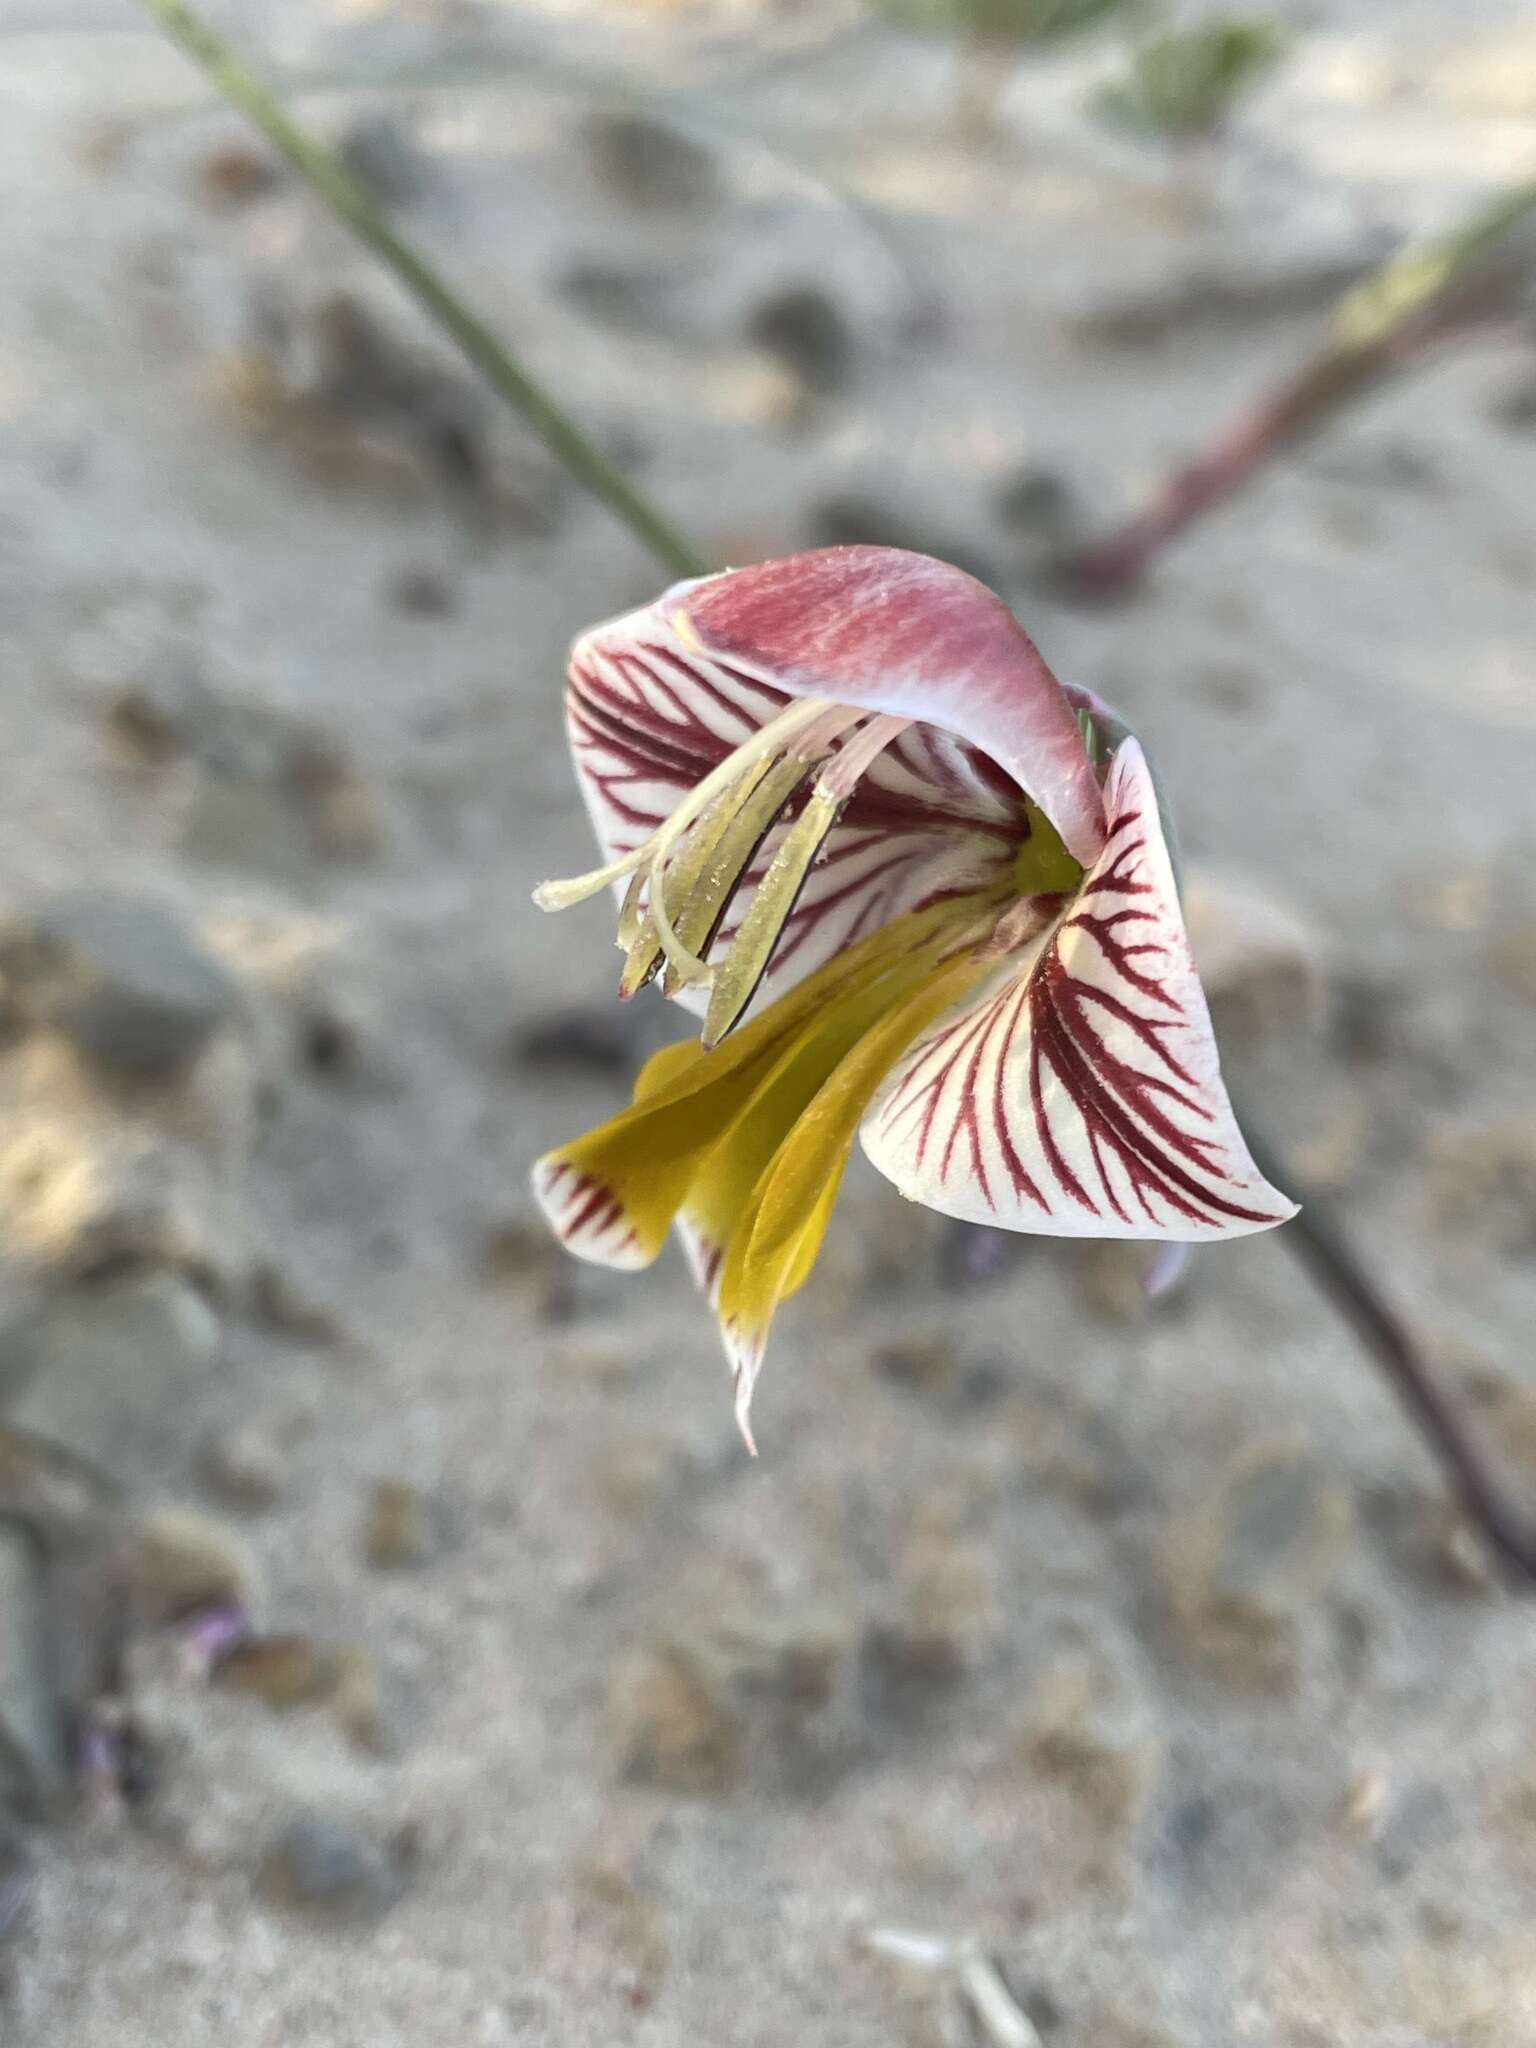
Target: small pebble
x,y
517,1250
671,1722
1483,1183
358,1702
16,1878
630,297
925,1362
283,1671
235,174
121,976
585,1040
398,1532
804,329
282,1306
645,164
639,1472
904,1672
1038,502
1514,408
104,1368
384,158
332,1869
244,1468
32,1758
739,1689
420,592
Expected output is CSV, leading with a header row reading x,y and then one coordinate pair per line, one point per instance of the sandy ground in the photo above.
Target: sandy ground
x,y
1137,1648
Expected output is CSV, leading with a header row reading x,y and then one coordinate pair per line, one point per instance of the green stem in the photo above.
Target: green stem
x,y
1320,1246
437,299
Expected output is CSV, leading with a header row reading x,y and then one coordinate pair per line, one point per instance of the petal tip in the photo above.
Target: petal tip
x,y
587,1216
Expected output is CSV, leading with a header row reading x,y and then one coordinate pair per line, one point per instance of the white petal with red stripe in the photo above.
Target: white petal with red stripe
x,y
1079,1093
651,714
588,1217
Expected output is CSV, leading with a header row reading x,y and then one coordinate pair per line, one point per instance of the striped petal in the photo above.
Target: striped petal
x,y
891,631
653,708
1078,1092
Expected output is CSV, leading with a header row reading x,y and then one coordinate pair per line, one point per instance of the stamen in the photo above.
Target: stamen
x,y
630,912
737,977
816,734
857,755
691,867
729,853
795,720
560,895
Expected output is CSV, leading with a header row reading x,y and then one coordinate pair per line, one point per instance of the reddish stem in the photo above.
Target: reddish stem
x,y
1296,410
1318,1241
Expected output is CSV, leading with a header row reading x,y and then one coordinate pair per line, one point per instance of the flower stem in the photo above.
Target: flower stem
x,y
1421,296
437,299
1320,1243
1430,293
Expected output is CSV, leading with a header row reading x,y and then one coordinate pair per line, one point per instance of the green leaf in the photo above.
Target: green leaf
x,y
1185,85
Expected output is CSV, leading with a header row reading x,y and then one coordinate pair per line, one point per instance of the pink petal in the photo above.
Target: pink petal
x,y
649,716
887,630
1079,1093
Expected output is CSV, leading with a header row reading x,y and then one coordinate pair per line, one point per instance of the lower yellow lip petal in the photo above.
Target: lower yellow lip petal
x,y
778,1231
712,1120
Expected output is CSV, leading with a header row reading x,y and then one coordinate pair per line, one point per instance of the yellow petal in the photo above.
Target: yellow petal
x,y
728,1174
612,1194
779,1231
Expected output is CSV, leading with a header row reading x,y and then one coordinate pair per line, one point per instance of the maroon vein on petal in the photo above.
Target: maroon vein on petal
x,y
1082,1094
650,717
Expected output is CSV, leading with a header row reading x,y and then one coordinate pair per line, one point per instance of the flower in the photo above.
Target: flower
x,y
923,896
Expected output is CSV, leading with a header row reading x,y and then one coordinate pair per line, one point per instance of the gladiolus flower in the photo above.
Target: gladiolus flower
x,y
922,895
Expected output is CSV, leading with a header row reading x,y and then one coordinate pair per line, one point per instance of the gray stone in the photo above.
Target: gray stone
x,y
245,1467
107,1370
646,164
319,1865
1037,501
613,1040
804,329
120,976
384,157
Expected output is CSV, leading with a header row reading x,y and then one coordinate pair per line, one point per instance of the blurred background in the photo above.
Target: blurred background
x,y
1070,1669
